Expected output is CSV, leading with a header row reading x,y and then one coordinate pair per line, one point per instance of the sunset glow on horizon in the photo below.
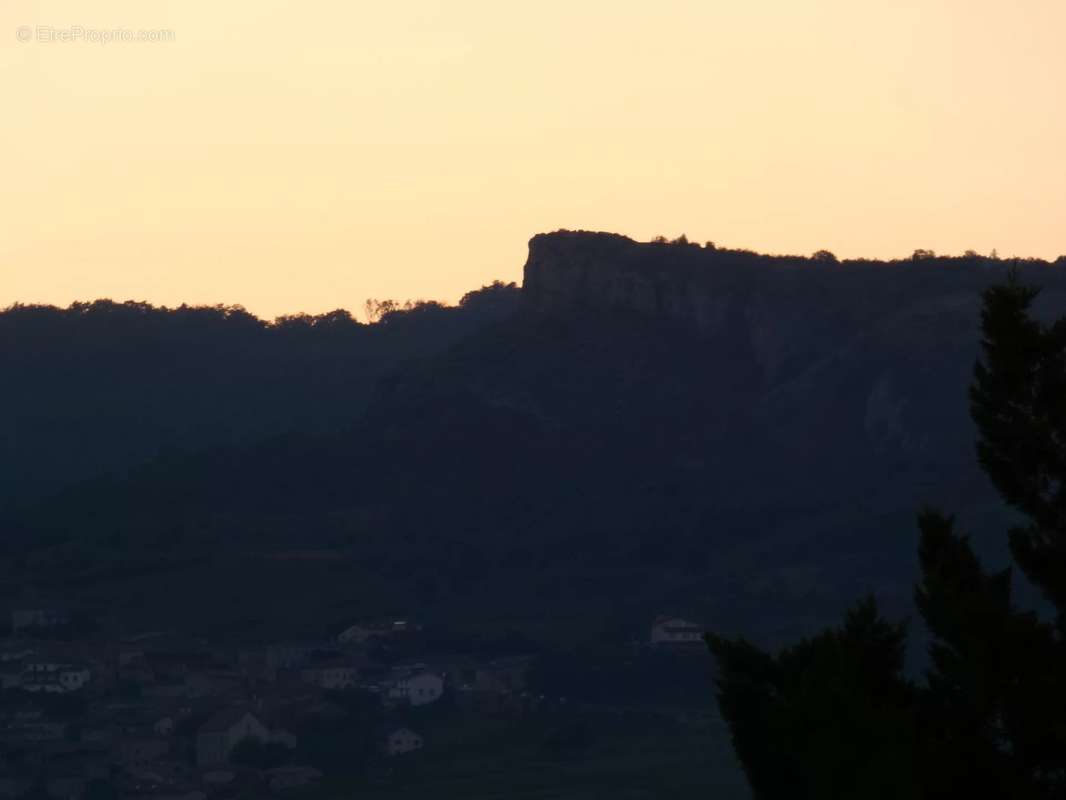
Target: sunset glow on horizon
x,y
306,156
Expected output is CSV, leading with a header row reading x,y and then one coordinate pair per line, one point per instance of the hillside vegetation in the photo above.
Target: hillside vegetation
x,y
568,464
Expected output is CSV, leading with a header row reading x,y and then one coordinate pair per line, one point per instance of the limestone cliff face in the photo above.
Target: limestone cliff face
x,y
783,309
574,269
790,310
880,350
577,270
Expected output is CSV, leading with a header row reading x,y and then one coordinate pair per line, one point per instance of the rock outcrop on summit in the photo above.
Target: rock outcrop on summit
x,y
790,308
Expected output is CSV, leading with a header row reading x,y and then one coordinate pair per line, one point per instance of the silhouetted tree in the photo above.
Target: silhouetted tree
x,y
993,699
833,716
829,717
1018,401
376,309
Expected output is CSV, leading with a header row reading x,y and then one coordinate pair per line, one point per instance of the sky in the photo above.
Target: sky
x,y
305,155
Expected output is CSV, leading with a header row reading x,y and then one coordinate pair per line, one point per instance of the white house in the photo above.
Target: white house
x,y
163,726
401,740
673,630
50,676
333,674
415,685
74,676
219,735
361,632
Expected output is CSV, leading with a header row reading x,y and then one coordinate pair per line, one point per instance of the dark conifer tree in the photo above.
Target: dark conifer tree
x,y
833,717
1018,400
829,717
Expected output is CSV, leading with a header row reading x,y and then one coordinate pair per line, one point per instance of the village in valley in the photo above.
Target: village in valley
x,y
89,714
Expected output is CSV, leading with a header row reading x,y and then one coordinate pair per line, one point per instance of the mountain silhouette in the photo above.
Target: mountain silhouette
x,y
644,428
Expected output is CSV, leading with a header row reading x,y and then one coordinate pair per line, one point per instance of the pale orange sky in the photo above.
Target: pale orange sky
x,y
303,156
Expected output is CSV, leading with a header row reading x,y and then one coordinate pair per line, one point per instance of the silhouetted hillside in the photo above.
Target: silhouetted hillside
x,y
660,427
104,386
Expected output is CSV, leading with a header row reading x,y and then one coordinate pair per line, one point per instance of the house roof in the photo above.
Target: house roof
x,y
675,622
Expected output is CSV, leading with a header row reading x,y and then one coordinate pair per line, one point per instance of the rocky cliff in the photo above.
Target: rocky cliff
x,y
792,311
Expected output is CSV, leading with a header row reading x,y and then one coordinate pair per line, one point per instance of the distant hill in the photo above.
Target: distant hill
x,y
103,386
653,428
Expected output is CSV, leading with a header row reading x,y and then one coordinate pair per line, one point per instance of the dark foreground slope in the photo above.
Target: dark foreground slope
x,y
658,428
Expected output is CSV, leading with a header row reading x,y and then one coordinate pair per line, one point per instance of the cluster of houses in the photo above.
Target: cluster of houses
x,y
30,671
157,716
162,716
